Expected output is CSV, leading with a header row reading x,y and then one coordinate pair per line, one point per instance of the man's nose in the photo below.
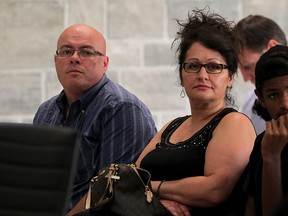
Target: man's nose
x,y
75,58
284,102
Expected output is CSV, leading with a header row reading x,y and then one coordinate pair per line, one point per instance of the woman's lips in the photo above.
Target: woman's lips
x,y
202,87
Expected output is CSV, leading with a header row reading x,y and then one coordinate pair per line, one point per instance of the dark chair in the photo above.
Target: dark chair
x,y
37,167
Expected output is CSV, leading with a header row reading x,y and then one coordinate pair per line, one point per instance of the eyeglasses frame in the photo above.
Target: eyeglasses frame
x,y
204,65
95,52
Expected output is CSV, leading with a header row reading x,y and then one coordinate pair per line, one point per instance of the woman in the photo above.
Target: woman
x,y
268,167
196,161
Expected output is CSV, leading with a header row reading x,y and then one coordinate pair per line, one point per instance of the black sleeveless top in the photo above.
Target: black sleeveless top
x,y
187,159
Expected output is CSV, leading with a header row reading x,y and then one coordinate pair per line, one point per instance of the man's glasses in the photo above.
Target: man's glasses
x,y
211,68
83,52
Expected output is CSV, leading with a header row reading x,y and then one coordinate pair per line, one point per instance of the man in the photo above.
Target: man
x,y
257,34
113,123
267,182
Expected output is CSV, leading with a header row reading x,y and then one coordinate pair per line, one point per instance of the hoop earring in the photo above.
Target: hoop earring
x,y
182,93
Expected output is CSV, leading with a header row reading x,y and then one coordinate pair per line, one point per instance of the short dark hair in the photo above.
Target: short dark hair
x,y
212,31
255,31
273,63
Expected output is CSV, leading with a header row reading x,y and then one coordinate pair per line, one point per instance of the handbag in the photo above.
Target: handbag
x,y
124,190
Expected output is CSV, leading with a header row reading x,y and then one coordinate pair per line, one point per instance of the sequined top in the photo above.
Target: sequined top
x,y
187,159
184,159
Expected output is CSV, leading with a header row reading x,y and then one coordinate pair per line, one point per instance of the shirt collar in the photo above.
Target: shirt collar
x,y
86,98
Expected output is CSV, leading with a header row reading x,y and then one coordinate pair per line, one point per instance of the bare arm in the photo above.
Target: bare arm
x,y
274,140
226,157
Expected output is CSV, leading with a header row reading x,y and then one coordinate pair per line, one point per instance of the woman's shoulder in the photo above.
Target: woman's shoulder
x,y
236,128
237,116
235,120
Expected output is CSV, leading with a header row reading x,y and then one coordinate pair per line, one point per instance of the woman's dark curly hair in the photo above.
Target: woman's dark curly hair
x,y
211,30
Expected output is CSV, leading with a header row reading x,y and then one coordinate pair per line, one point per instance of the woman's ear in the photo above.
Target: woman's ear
x,y
260,98
230,81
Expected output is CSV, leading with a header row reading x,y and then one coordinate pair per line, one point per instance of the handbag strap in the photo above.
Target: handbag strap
x,y
109,186
148,192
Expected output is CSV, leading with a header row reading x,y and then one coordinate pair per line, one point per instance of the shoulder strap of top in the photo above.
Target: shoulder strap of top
x,y
224,112
215,121
173,125
178,121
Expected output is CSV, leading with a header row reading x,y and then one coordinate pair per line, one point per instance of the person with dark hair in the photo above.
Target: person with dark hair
x,y
114,124
197,162
257,34
267,179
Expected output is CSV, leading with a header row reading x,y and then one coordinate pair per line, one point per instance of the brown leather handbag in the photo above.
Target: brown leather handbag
x,y
125,190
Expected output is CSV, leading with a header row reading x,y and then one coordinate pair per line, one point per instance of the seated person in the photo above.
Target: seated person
x,y
114,124
197,161
267,182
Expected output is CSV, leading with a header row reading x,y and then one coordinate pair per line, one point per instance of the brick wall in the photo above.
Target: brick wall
x,y
139,34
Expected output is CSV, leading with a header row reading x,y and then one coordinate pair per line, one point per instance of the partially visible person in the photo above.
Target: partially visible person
x,y
267,181
258,34
197,162
113,123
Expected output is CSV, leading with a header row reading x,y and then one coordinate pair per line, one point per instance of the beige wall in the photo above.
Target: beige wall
x,y
139,34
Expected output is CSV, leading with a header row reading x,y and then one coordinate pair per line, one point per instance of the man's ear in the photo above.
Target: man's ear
x,y
271,43
260,98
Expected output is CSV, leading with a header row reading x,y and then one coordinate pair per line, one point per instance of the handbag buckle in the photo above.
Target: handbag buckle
x,y
115,177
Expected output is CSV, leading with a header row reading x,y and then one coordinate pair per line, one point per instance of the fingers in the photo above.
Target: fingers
x,y
279,126
269,126
181,210
185,210
176,209
275,137
282,124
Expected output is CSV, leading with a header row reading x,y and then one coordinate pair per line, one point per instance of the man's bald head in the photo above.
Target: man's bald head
x,y
83,32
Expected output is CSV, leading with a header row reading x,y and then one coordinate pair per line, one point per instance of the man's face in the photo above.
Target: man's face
x,y
78,73
275,96
247,64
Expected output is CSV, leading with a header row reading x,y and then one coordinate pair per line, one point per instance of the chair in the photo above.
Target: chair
x,y
37,167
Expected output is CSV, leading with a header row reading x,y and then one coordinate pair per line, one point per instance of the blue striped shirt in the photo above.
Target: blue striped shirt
x,y
114,125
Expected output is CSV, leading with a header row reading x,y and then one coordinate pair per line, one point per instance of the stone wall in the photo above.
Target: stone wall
x,y
139,34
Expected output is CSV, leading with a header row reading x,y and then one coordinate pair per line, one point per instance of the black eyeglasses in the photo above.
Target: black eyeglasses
x,y
211,68
83,52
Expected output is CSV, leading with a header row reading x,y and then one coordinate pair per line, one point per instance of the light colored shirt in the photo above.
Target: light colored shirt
x,y
257,121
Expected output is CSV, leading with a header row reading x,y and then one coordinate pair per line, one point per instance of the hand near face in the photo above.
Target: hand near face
x,y
276,137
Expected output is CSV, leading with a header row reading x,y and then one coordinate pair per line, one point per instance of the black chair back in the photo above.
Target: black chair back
x,y
37,167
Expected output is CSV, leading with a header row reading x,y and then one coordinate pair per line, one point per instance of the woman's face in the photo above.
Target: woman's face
x,y
202,86
275,96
